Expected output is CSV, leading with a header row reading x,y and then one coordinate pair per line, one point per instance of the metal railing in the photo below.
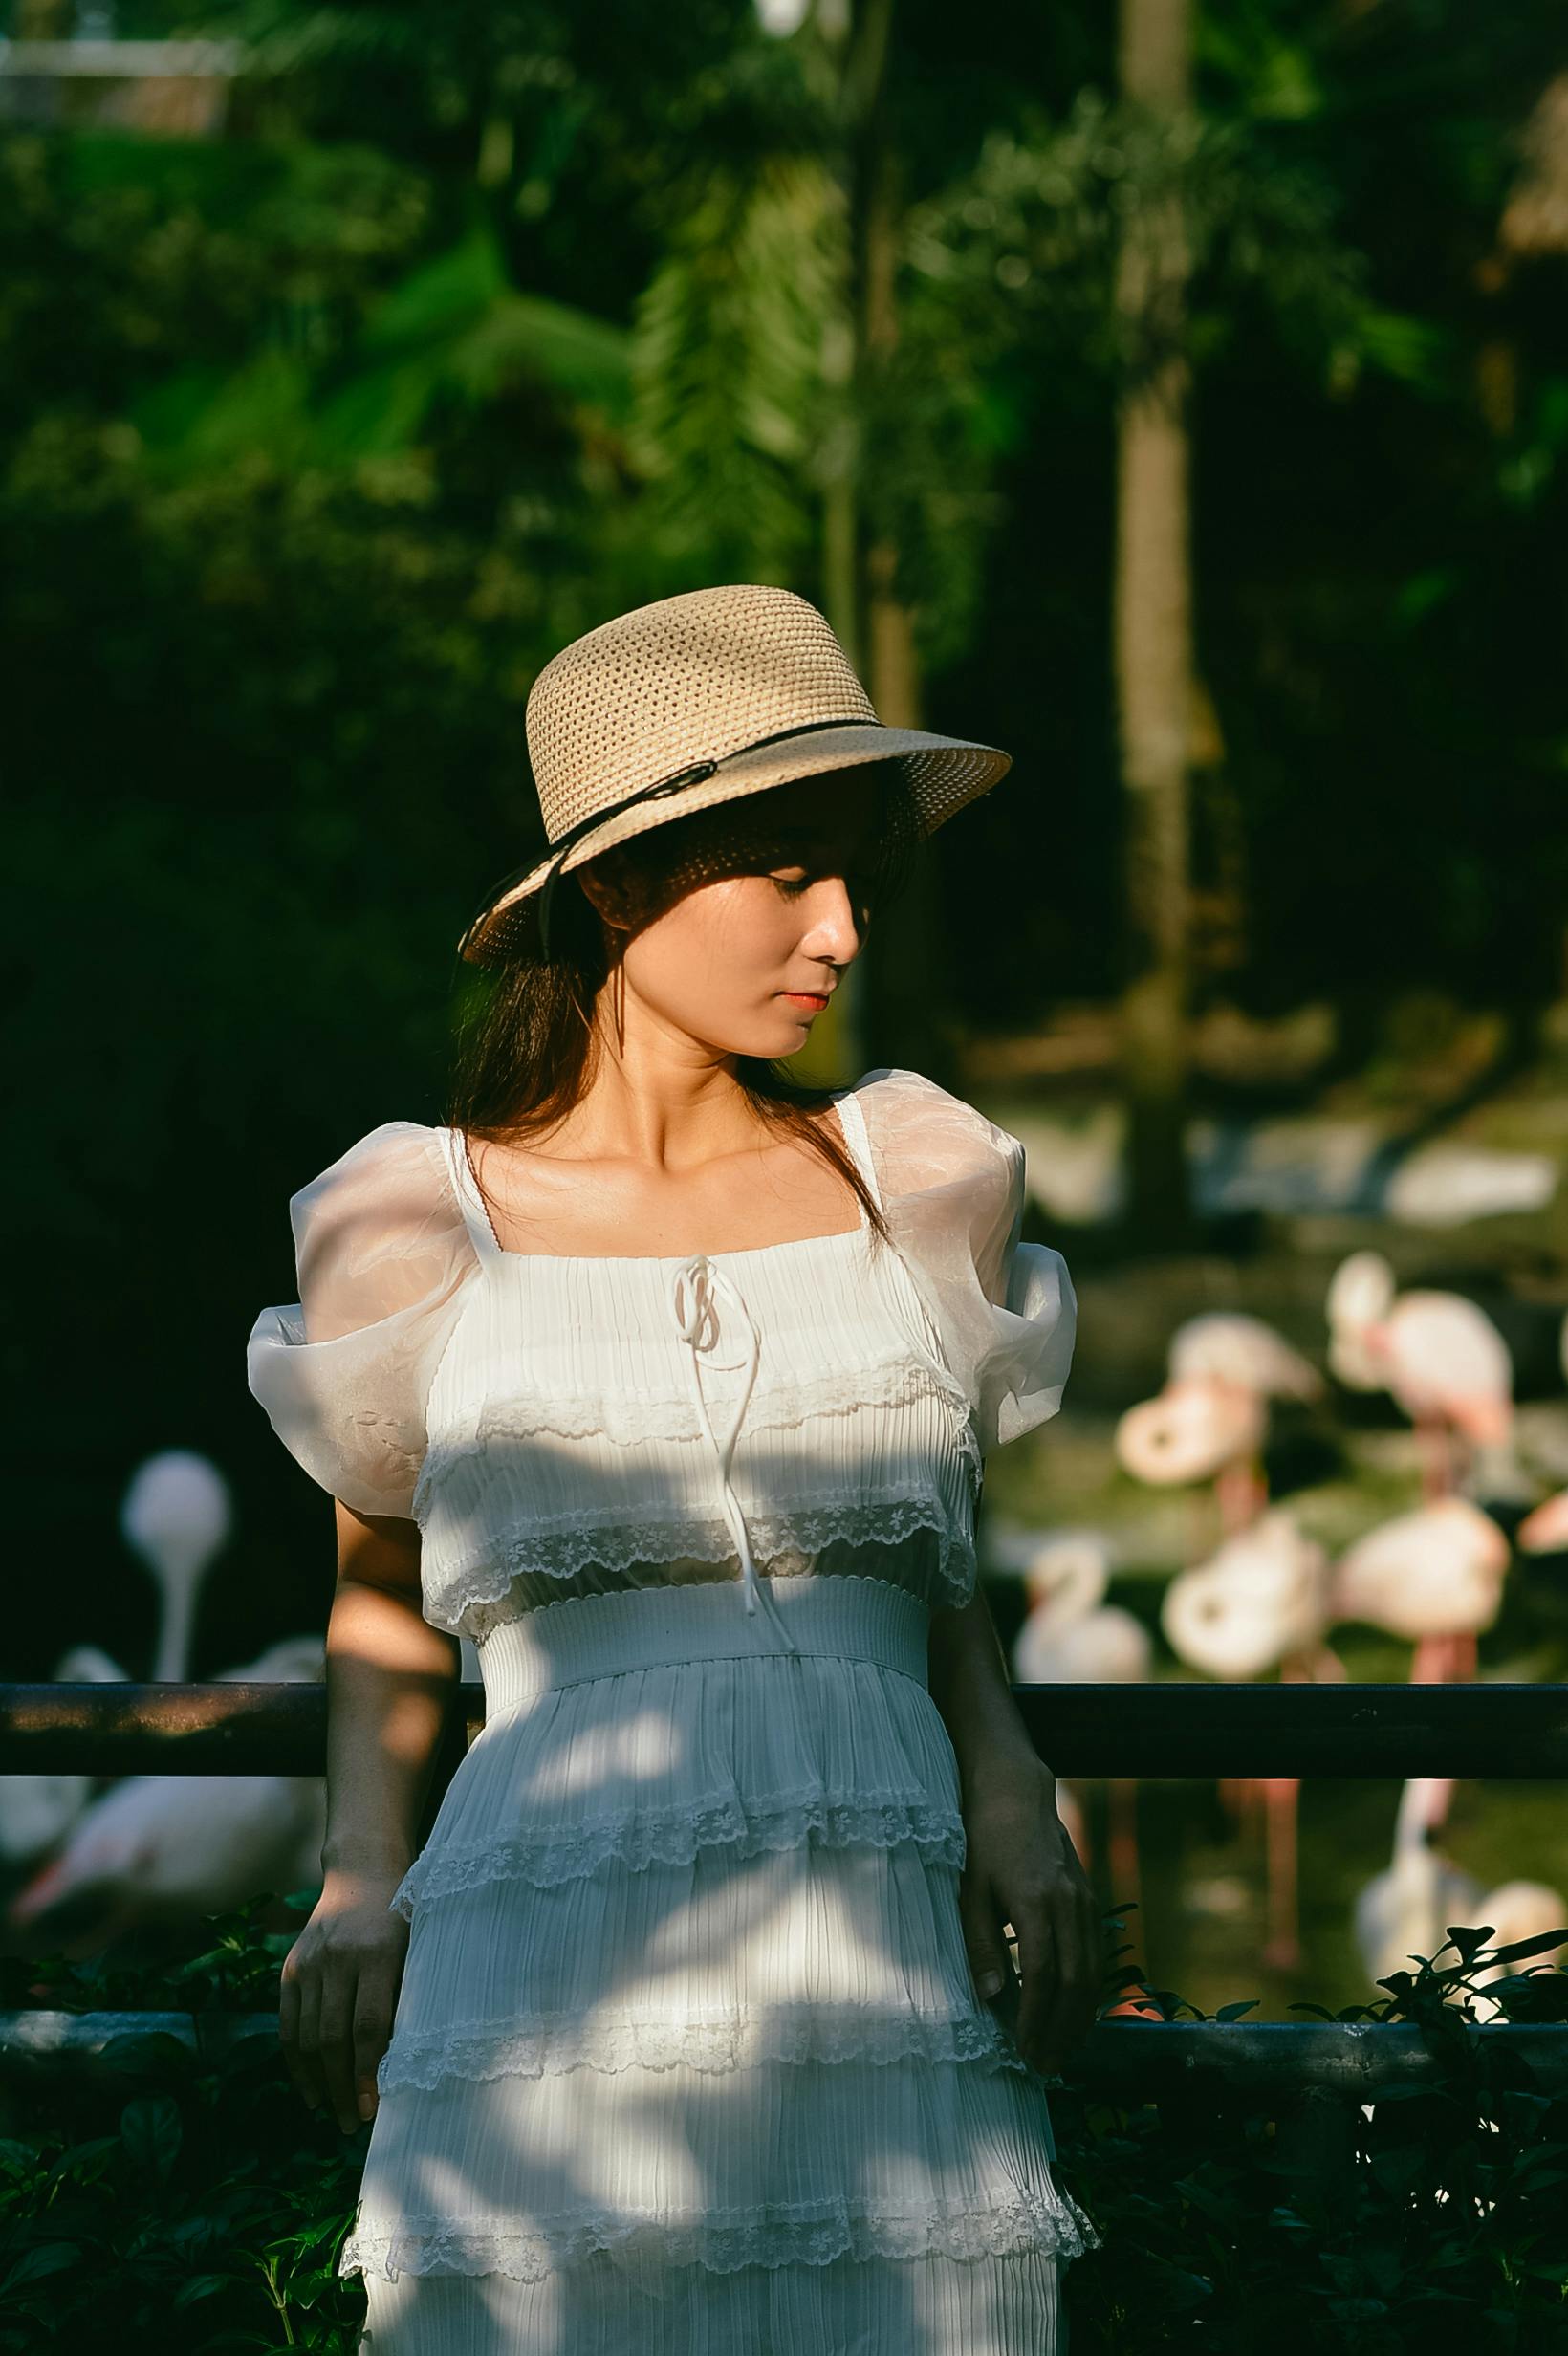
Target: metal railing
x,y
1150,1731
1307,2076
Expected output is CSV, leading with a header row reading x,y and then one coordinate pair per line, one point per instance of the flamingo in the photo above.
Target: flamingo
x,y
1441,1359
160,1848
1011,1546
1234,1347
38,1811
1238,1352
1404,1911
1517,1910
1545,1531
1199,1428
176,1517
1261,1602
1072,1636
1433,1577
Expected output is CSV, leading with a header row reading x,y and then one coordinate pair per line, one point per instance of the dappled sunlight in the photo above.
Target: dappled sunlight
x,y
704,2063
637,1751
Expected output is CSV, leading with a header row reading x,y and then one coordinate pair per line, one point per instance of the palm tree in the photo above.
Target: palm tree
x,y
1152,629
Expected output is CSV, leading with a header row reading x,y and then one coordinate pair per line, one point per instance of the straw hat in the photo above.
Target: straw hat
x,y
694,700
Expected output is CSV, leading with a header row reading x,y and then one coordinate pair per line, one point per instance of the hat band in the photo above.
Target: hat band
x,y
682,777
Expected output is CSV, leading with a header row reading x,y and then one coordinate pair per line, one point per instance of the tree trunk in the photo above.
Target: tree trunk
x,y
894,1009
1153,650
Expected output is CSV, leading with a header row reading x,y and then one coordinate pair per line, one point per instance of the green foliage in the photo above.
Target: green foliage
x,y
1030,245
223,1963
208,2215
195,2201
452,333
735,426
483,323
1437,2222
139,273
187,2198
457,325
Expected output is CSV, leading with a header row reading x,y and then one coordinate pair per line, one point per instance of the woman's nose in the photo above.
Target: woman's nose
x,y
837,928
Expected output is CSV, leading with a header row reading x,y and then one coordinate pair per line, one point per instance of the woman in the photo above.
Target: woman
x,y
677,2035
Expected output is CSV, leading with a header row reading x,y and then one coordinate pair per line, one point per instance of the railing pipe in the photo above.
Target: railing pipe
x,y
1268,2063
1171,1729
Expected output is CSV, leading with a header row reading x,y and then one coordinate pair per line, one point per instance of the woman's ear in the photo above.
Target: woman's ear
x,y
603,885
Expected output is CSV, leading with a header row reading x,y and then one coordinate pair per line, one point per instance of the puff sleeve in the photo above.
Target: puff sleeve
x,y
382,1257
952,1189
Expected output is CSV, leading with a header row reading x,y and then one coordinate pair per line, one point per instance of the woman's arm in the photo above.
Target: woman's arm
x,y
1021,1871
389,1679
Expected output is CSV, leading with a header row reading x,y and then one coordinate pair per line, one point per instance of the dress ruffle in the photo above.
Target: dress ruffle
x,y
750,1754
630,1423
677,1835
740,2037
847,2307
784,2163
1048,2223
810,1946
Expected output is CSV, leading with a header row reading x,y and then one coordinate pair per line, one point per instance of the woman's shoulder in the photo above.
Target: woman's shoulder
x,y
392,1147
397,1171
388,1195
382,1261
929,1136
896,1087
954,1188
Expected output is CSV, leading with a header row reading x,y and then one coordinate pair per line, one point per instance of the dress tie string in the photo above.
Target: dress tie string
x,y
695,1290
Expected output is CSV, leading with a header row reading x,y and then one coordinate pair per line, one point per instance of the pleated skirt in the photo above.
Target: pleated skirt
x,y
687,2055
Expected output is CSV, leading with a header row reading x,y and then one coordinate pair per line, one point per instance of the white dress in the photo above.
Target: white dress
x,y
688,2059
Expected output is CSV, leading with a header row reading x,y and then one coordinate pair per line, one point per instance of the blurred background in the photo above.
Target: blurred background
x,y
1176,395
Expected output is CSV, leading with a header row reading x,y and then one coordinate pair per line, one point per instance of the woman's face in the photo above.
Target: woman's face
x,y
762,912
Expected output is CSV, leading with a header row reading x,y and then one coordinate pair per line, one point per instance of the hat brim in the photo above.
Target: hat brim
x,y
943,774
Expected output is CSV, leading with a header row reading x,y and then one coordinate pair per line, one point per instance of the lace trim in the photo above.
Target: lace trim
x,y
720,2042
814,2233
786,1543
673,1837
627,1419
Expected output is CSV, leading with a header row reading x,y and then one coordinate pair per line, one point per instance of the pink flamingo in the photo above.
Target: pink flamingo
x,y
1200,1428
1545,1531
1441,1357
1404,1911
1243,1350
1072,1636
160,1848
1518,1909
1433,1577
1261,1603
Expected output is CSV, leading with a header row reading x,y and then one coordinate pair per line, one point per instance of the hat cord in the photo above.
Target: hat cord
x,y
692,776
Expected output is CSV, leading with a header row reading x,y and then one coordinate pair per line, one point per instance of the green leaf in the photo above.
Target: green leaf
x,y
455,326
201,2286
49,2258
146,2053
152,2133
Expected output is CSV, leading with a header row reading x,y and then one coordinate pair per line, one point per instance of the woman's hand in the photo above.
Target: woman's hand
x,y
339,1992
1022,1878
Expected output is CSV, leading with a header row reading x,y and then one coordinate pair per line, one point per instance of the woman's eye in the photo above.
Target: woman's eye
x,y
792,886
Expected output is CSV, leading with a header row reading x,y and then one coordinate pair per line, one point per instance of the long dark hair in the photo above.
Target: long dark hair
x,y
524,1041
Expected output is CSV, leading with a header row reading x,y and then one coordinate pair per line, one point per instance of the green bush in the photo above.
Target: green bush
x,y
193,2205
1438,2223
197,2207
